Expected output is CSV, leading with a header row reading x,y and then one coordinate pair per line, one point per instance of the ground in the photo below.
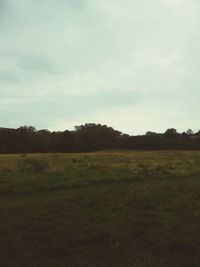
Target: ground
x,y
106,209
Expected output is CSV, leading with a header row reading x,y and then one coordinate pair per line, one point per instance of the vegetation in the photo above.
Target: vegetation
x,y
133,209
92,137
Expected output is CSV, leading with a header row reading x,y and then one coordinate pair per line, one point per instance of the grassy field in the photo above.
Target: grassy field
x,y
106,209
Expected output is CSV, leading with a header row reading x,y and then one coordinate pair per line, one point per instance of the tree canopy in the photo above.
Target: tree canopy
x,y
92,137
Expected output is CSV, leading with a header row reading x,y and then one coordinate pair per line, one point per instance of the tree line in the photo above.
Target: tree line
x,y
92,137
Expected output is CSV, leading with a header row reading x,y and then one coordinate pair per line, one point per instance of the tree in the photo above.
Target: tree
x,y
149,133
93,136
171,132
190,132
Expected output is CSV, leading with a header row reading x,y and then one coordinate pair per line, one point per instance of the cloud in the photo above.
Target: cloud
x,y
3,6
36,63
44,110
85,58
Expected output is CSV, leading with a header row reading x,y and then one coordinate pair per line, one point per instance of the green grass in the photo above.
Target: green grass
x,y
106,209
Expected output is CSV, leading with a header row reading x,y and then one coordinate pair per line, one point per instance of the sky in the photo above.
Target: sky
x,y
133,65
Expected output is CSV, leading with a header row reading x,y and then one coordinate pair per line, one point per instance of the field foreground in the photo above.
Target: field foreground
x,y
106,209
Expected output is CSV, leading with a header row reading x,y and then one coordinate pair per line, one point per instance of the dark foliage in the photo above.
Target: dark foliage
x,y
92,137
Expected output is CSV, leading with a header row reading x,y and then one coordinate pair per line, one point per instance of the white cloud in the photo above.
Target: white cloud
x,y
82,48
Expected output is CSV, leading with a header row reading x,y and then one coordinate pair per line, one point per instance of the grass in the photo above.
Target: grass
x,y
106,209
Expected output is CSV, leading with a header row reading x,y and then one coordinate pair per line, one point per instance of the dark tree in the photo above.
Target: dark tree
x,y
91,137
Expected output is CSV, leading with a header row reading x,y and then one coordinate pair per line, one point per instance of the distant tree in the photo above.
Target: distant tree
x,y
184,134
93,136
190,132
149,133
171,132
27,139
44,140
27,129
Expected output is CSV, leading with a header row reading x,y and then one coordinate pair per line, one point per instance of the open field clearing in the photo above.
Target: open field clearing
x,y
106,209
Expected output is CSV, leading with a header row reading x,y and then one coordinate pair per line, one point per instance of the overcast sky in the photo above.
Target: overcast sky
x,y
133,65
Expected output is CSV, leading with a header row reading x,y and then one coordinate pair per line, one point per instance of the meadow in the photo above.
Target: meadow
x,y
105,209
